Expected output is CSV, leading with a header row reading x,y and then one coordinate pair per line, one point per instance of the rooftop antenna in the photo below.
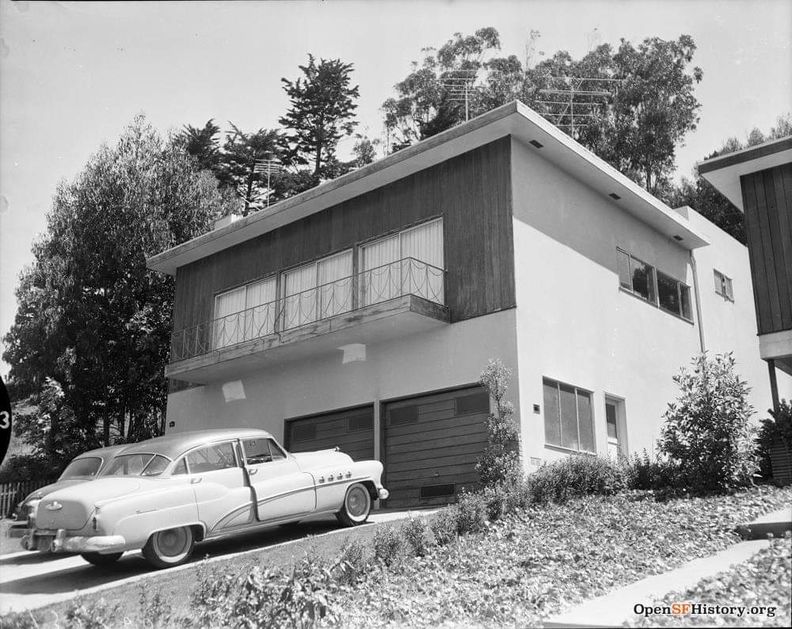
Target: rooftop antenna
x,y
459,88
563,99
268,165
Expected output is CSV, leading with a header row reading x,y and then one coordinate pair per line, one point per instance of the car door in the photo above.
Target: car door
x,y
222,494
281,489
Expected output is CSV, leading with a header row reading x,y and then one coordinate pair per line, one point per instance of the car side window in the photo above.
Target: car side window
x,y
180,467
261,451
218,456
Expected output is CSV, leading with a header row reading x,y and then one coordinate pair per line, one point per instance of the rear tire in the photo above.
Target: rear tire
x,y
356,507
98,559
172,547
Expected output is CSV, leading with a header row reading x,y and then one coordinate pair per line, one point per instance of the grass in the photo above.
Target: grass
x,y
765,580
8,544
517,572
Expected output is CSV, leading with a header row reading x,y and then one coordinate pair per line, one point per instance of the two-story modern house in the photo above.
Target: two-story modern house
x,y
758,180
362,312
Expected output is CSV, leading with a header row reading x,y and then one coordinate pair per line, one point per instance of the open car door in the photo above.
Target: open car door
x,y
281,490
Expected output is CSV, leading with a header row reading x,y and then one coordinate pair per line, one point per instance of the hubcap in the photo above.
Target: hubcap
x,y
172,543
357,502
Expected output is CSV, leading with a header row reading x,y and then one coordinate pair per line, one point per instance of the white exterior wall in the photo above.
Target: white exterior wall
x,y
448,356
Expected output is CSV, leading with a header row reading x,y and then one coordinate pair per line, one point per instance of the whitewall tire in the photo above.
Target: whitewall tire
x,y
356,507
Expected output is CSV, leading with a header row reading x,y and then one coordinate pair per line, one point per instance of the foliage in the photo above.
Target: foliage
x,y
354,562
18,620
390,547
777,428
155,612
707,430
91,335
321,112
202,143
765,580
500,461
640,472
575,476
418,536
91,615
444,525
472,513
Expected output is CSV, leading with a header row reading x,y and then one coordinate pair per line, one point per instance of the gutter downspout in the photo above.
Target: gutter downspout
x,y
700,321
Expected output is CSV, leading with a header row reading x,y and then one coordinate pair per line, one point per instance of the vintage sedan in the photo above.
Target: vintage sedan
x,y
165,494
85,467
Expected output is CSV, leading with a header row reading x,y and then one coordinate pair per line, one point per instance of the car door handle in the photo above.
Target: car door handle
x,y
195,481
252,470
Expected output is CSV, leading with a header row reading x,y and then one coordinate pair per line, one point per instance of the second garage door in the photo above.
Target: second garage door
x,y
351,430
432,444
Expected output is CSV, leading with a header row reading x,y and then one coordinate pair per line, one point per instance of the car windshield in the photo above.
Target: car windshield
x,y
143,464
81,468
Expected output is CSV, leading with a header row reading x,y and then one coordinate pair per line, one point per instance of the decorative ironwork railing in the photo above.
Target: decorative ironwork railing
x,y
407,276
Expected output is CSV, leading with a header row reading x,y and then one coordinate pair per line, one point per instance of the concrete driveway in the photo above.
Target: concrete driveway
x,y
29,580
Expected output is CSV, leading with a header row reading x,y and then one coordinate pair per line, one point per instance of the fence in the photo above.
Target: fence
x,y
407,276
12,493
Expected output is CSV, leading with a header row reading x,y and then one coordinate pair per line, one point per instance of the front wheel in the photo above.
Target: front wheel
x,y
98,559
356,507
168,548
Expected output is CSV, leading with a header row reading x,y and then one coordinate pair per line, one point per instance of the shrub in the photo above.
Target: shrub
x,y
776,429
418,535
444,525
154,611
472,513
353,562
707,431
500,461
25,467
93,615
642,473
574,476
389,546
18,620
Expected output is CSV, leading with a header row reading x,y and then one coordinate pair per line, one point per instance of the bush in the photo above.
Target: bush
x,y
500,461
154,611
707,431
389,546
575,476
18,620
94,615
418,535
472,513
776,429
444,525
25,467
354,562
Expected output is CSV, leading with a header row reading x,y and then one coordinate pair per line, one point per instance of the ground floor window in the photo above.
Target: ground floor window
x,y
569,421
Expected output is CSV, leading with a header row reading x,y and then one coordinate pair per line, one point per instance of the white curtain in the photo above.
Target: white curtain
x,y
228,318
300,296
260,308
422,255
379,277
335,284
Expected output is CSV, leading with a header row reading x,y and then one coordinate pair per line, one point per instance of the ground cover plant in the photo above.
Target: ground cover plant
x,y
765,580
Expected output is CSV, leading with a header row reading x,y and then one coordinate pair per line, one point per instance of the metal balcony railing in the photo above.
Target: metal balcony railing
x,y
407,276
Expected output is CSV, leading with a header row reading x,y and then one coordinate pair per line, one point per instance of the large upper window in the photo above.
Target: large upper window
x,y
245,313
410,262
317,290
644,281
569,422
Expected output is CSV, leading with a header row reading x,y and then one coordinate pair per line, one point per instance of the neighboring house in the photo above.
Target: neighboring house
x,y
758,180
361,313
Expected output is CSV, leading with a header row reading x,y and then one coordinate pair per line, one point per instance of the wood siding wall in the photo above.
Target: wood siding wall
x,y
472,192
767,199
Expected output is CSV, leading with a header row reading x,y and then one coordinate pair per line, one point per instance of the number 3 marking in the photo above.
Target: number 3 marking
x,y
5,420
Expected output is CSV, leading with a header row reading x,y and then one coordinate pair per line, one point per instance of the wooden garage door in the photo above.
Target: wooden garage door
x,y
352,431
432,444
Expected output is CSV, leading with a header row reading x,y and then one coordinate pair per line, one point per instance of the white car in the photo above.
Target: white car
x,y
165,494
85,467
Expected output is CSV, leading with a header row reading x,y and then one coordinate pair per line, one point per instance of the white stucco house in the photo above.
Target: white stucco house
x,y
361,313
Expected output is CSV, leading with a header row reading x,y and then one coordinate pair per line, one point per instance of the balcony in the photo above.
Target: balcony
x,y
404,297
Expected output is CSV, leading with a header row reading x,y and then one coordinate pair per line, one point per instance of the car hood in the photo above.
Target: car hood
x,y
321,459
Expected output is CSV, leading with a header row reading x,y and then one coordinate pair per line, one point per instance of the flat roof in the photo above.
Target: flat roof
x,y
513,119
724,171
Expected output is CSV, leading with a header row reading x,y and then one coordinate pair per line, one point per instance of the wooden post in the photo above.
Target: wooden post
x,y
773,384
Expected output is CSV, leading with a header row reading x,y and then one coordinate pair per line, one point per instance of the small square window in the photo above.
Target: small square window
x,y
723,285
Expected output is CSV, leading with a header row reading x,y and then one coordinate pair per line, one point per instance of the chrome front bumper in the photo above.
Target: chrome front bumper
x,y
59,543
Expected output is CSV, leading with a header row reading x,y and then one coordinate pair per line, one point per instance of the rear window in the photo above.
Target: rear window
x,y
137,465
82,468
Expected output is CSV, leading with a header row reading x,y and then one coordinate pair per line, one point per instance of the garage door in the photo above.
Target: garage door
x,y
352,431
432,444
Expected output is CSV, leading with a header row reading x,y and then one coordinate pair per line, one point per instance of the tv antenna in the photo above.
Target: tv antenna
x,y
459,88
564,102
269,165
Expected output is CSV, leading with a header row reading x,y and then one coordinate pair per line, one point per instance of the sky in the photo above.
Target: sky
x,y
73,75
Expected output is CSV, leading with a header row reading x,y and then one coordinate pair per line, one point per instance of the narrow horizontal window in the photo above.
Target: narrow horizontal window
x,y
436,491
404,415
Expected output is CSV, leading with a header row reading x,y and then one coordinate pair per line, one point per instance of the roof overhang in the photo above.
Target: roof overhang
x,y
724,172
513,119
